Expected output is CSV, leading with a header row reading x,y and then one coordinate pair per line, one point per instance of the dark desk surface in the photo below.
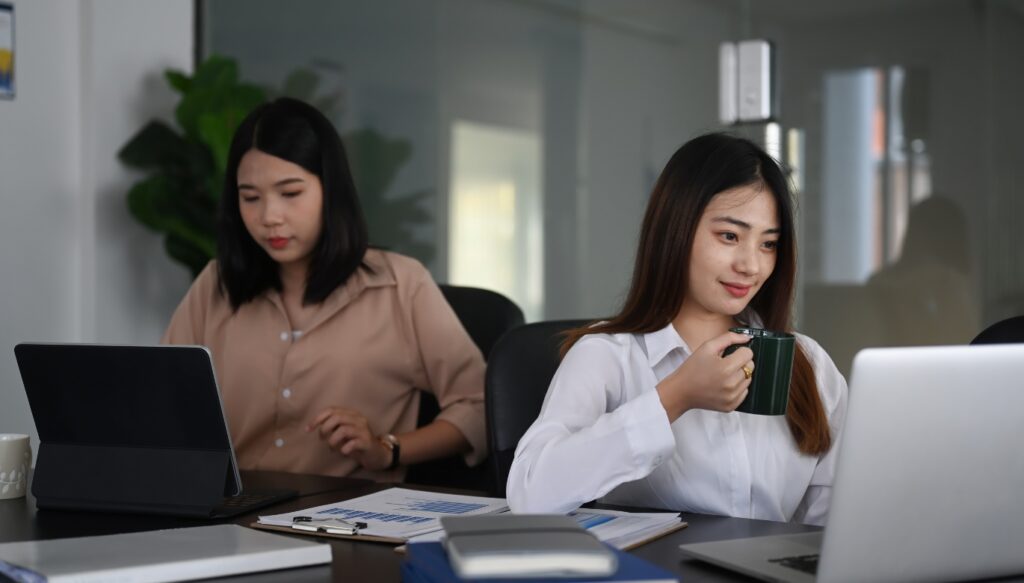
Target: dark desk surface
x,y
357,561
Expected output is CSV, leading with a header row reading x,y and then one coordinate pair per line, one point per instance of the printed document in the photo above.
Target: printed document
x,y
396,513
414,516
622,530
626,530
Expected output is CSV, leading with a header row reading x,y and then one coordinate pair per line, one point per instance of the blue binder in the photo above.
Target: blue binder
x,y
428,563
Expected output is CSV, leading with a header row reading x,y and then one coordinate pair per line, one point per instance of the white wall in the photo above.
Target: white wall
x,y
650,83
75,265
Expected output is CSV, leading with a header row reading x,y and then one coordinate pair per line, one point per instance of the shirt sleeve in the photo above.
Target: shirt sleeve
x,y
813,508
453,364
580,448
188,322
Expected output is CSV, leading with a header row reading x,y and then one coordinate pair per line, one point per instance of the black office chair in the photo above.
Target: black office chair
x,y
518,374
1010,330
486,316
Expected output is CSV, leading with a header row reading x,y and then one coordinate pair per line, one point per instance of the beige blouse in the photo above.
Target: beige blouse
x,y
371,346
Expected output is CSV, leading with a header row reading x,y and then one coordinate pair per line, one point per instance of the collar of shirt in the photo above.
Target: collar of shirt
x,y
661,343
361,280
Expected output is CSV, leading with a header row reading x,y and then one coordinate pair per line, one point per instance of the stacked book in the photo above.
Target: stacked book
x,y
513,547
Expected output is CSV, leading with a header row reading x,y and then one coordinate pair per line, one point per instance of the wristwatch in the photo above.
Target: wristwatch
x,y
389,441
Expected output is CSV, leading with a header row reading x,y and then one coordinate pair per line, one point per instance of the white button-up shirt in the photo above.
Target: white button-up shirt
x,y
603,433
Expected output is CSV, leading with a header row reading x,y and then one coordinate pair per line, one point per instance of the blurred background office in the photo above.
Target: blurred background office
x,y
511,145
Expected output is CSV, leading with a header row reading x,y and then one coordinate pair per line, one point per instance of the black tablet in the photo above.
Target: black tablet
x,y
131,428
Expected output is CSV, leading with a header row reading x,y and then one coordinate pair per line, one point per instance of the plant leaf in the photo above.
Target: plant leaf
x,y
155,145
149,201
375,160
216,128
178,80
216,131
162,205
197,237
216,71
213,82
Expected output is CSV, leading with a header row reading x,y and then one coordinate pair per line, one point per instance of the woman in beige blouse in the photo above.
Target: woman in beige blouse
x,y
321,344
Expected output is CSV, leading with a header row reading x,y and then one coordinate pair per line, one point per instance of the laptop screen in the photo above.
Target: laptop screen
x,y
128,396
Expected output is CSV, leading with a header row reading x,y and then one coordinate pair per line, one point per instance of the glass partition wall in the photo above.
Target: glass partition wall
x,y
511,144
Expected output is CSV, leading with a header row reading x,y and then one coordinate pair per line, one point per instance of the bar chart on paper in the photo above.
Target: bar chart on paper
x,y
396,512
445,506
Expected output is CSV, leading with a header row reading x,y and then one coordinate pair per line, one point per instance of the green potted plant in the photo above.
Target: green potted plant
x,y
185,165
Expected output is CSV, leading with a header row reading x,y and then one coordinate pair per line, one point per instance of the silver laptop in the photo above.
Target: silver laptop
x,y
930,477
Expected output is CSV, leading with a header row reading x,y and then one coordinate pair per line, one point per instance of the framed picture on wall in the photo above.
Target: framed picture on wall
x,y
6,50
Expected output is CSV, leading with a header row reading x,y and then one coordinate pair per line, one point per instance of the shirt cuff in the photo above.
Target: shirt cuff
x,y
469,420
648,433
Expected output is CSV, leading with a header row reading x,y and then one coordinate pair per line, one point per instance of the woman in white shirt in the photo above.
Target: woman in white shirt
x,y
641,410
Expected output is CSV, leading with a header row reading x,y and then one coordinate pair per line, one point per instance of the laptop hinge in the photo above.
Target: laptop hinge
x,y
130,479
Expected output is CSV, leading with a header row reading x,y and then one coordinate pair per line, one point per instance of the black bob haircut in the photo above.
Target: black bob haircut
x,y
294,131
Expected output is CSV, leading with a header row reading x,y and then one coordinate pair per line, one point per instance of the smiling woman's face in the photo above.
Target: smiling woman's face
x,y
281,204
734,251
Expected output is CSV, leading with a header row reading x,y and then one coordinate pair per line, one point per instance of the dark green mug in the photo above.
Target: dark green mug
x,y
773,369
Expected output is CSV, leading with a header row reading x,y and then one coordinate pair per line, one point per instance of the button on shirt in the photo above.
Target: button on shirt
x,y
603,433
372,346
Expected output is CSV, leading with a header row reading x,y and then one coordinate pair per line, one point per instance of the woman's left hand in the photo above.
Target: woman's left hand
x,y
347,432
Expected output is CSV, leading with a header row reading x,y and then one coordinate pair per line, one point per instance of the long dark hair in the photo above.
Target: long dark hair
x,y
294,131
700,169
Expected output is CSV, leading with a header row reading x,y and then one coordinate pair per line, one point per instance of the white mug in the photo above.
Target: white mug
x,y
15,460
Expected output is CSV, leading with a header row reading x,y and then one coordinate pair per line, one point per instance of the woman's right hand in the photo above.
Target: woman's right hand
x,y
347,432
707,380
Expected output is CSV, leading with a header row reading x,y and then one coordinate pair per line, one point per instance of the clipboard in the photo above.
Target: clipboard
x,y
392,515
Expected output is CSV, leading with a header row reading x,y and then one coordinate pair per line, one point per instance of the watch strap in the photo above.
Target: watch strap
x,y
391,442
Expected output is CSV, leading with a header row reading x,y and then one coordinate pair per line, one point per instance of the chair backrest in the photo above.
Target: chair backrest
x,y
485,314
518,374
1010,330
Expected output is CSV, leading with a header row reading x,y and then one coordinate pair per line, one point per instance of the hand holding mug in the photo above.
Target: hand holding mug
x,y
768,392
707,379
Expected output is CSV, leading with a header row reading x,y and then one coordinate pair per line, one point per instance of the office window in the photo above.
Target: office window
x,y
873,172
495,216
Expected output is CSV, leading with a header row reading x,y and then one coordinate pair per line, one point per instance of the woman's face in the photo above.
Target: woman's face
x,y
734,251
281,205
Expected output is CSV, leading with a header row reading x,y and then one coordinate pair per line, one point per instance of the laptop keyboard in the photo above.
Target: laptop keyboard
x,y
246,501
805,563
